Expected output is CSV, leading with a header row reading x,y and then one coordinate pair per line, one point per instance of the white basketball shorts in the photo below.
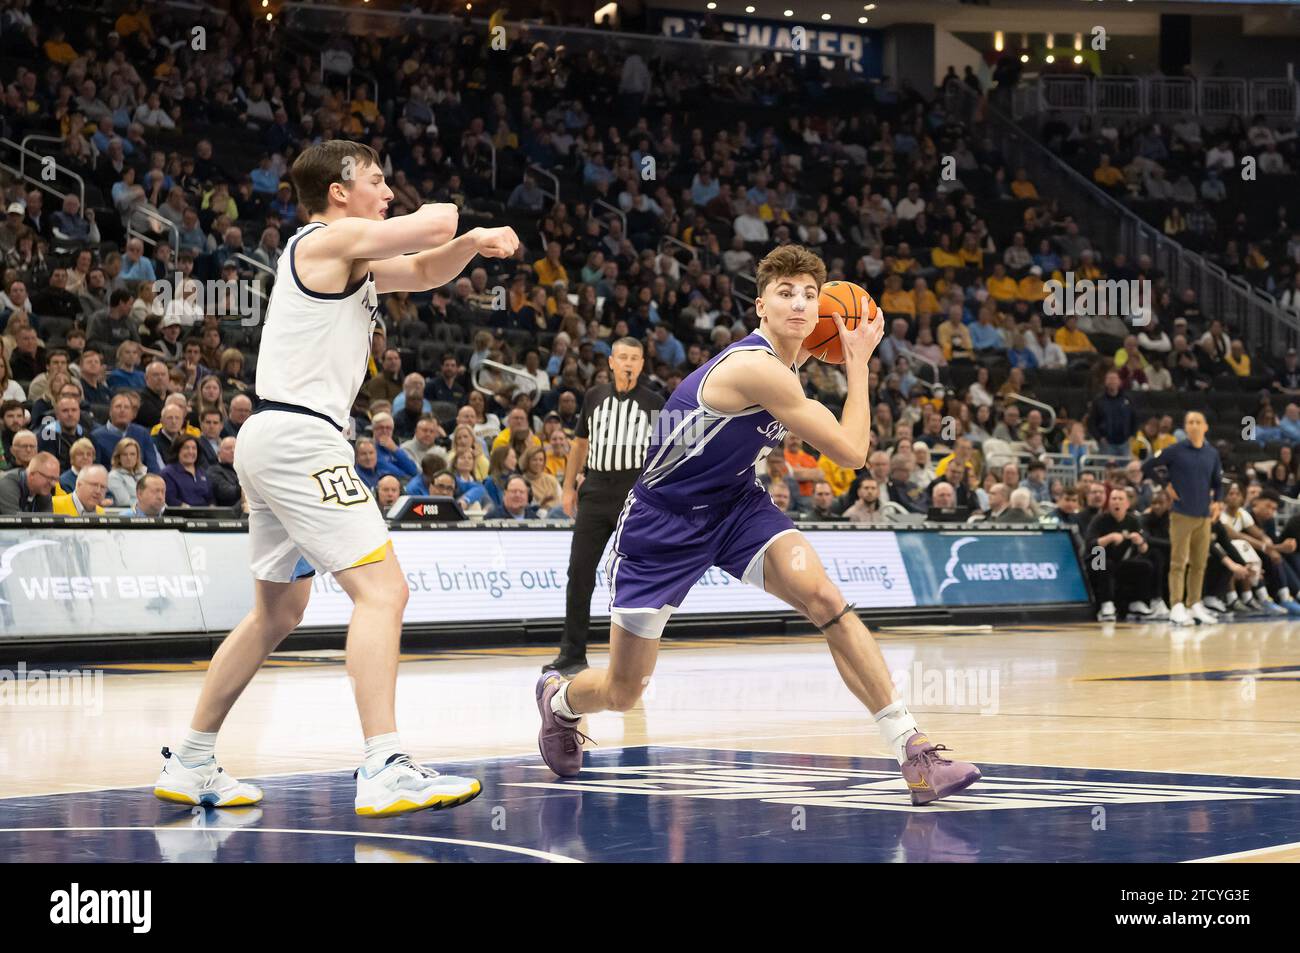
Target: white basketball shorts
x,y
308,509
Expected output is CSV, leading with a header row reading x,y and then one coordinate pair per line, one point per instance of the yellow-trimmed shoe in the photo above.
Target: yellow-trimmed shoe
x,y
402,786
205,784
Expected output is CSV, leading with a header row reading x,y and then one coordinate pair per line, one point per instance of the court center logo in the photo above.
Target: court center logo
x,y
341,485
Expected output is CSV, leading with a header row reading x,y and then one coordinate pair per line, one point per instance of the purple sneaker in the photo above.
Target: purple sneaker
x,y
559,739
931,776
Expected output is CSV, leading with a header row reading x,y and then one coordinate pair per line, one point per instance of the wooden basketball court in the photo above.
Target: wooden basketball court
x,y
1098,742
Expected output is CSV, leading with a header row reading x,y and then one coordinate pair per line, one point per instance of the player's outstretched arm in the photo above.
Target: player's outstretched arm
x,y
759,378
752,379
363,239
437,266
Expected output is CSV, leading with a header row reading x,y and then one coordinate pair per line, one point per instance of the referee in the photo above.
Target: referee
x,y
610,441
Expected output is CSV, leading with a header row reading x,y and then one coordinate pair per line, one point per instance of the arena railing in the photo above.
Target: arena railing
x,y
25,152
1160,96
1098,463
618,213
157,219
20,170
502,369
554,195
1061,466
1259,317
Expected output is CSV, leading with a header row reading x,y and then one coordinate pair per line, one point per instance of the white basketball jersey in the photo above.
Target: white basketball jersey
x,y
315,347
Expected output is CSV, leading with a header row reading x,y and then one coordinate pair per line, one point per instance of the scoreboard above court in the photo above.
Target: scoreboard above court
x,y
861,48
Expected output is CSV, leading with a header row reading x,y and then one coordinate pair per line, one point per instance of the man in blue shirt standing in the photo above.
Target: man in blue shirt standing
x,y
1192,475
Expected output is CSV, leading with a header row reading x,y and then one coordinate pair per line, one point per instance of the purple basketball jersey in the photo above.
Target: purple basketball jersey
x,y
699,456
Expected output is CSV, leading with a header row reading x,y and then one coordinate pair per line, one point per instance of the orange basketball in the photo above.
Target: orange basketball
x,y
853,303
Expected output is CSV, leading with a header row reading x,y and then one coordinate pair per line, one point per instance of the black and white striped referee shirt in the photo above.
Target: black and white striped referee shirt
x,y
617,428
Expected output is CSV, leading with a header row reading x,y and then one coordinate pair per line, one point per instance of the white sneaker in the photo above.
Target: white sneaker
x,y
1179,615
1138,607
1214,604
207,784
1204,616
402,786
1159,611
1107,613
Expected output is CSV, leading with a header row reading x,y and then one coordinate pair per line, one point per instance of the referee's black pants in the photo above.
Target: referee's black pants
x,y
600,501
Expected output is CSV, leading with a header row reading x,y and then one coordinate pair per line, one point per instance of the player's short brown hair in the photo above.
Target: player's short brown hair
x,y
787,262
320,166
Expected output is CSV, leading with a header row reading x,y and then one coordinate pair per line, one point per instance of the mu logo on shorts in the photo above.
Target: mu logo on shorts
x,y
340,485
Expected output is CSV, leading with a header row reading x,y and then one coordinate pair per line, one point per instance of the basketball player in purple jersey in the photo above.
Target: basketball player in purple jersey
x,y
698,504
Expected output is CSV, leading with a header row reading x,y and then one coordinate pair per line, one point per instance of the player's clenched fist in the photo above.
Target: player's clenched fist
x,y
442,219
496,242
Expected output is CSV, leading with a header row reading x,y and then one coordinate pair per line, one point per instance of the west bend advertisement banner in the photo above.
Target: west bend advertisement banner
x,y
75,582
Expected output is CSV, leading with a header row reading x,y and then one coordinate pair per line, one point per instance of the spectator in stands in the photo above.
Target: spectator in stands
x,y
866,506
1036,482
87,496
514,503
502,464
544,490
411,402
1112,420
81,455
1124,573
59,433
28,489
150,497
780,494
1276,552
170,428
222,477
126,374
187,483
822,504
241,407
157,386
119,425
94,378
901,489
1021,508
1071,340
428,439
517,428
27,359
125,473
955,337
387,383
387,491
115,325
448,386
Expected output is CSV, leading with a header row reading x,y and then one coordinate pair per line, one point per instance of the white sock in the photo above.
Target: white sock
x,y
896,725
379,749
1230,598
1261,594
1284,595
560,704
198,748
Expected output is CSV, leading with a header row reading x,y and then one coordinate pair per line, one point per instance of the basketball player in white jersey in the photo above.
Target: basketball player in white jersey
x,y
308,511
